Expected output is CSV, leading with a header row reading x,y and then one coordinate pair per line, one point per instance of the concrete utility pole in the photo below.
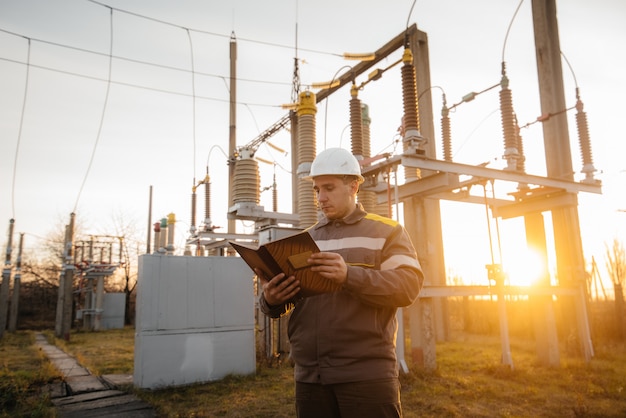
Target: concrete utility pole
x,y
64,302
15,297
88,313
232,134
542,308
58,321
568,243
422,218
6,279
149,222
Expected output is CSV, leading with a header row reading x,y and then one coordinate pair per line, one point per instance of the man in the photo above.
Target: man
x,y
343,343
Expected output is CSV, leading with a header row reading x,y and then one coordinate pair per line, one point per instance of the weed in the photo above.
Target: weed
x,y
24,374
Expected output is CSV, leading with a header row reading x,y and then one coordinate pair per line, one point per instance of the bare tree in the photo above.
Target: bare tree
x,y
127,229
616,266
54,243
42,266
38,295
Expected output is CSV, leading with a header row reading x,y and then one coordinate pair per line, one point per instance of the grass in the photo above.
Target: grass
x,y
24,375
108,352
269,393
469,381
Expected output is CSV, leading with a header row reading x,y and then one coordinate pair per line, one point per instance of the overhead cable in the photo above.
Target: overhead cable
x,y
104,107
205,32
19,134
136,61
121,83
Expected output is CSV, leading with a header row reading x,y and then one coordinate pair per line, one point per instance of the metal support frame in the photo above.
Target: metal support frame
x,y
577,292
447,178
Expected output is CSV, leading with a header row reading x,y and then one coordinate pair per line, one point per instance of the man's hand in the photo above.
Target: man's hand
x,y
279,289
329,265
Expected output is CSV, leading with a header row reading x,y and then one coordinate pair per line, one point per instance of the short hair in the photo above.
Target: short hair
x,y
348,178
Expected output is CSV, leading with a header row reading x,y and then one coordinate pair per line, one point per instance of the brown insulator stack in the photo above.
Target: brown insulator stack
x,y
193,209
584,142
446,133
410,121
509,126
521,159
274,195
307,203
356,123
365,123
207,203
367,197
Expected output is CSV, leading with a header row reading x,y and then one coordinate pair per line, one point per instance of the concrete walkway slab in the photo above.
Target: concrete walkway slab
x,y
118,380
89,395
82,384
69,367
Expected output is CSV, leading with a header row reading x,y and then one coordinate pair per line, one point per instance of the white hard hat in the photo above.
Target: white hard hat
x,y
335,162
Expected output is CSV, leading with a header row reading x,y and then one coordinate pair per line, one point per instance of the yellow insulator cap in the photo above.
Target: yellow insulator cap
x,y
171,219
354,90
306,105
407,56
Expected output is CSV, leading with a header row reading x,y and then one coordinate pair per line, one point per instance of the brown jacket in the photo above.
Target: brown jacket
x,y
350,335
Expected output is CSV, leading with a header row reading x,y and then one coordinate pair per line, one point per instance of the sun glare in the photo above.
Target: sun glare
x,y
525,268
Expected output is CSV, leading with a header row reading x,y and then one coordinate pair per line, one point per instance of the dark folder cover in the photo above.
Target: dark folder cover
x,y
287,255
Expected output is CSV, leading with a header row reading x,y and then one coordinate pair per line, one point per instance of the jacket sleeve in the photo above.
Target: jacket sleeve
x,y
398,281
273,311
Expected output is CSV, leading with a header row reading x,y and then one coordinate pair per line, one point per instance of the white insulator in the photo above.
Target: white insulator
x,y
171,232
163,238
157,240
246,181
303,170
511,155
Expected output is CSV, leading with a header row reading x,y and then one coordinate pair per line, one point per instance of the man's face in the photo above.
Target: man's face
x,y
336,197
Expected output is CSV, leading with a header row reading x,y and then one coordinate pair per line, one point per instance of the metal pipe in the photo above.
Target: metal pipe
x,y
15,297
6,279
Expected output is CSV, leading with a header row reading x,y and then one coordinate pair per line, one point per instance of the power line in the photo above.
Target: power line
x,y
136,61
122,83
509,28
276,45
104,108
19,134
109,80
193,115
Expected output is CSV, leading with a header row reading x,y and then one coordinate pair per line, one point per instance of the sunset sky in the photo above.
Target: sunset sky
x,y
71,139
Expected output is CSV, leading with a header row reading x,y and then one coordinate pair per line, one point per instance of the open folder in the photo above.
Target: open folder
x,y
287,255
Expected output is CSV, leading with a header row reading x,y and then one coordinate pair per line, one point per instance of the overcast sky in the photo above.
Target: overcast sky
x,y
141,128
